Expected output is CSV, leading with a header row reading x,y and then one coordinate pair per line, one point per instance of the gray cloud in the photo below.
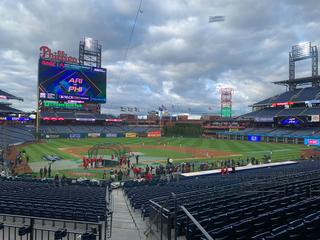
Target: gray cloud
x,y
176,57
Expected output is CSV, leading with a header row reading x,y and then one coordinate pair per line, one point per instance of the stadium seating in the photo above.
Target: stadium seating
x,y
287,96
291,112
277,132
16,134
7,109
47,200
59,129
297,95
49,114
311,111
273,203
65,115
267,112
306,94
84,115
282,112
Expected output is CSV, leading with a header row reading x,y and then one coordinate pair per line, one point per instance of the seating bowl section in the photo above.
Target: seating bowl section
x,y
61,129
271,112
277,132
47,200
297,95
271,203
16,134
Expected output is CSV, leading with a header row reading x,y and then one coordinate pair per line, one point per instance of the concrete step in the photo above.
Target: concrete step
x,y
126,224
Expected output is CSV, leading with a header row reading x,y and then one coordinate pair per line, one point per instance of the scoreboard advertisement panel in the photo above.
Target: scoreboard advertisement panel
x,y
253,138
60,81
312,142
291,120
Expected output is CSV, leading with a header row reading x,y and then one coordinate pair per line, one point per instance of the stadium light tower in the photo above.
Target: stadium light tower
x,y
217,19
226,101
90,52
226,93
302,51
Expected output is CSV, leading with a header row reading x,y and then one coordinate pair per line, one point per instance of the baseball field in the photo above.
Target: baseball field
x,y
154,151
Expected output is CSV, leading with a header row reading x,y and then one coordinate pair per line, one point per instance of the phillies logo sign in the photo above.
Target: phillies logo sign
x,y
46,53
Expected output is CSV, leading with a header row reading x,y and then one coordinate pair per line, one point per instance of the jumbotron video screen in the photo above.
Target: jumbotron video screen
x,y
63,82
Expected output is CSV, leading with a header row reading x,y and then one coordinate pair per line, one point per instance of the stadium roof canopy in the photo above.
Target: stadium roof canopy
x,y
300,81
5,95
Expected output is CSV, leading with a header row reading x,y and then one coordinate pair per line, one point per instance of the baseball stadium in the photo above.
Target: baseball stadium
x,y
71,171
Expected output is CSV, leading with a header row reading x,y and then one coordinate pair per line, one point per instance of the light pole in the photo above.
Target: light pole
x,y
217,19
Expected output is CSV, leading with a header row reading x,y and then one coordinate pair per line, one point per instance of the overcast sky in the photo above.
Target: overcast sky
x,y
176,58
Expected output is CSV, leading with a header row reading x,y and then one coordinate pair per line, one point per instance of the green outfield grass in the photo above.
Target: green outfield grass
x,y
279,151
242,149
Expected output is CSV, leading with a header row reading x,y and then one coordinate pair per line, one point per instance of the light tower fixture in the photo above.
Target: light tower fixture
x,y
90,52
299,52
217,19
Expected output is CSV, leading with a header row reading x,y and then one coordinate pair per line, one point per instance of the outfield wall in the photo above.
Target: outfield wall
x,y
262,138
101,135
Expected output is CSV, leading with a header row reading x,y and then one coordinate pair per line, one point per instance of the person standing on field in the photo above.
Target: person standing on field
x,y
45,171
49,171
41,172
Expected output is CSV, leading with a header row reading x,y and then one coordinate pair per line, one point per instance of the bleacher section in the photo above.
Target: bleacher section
x,y
75,115
60,129
84,115
66,115
49,206
271,203
16,134
312,111
297,95
281,112
5,108
267,112
277,132
41,199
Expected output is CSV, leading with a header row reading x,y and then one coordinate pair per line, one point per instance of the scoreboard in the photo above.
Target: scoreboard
x,y
61,81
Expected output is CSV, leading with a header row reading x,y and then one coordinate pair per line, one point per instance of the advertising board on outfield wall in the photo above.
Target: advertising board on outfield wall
x,y
94,135
142,134
154,134
315,118
111,135
75,135
252,138
52,136
131,135
312,142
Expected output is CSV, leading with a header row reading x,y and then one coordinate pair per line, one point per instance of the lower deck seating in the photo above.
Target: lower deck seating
x,y
274,203
16,134
47,200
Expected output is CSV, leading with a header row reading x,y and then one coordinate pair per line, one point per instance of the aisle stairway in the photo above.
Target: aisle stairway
x,y
126,224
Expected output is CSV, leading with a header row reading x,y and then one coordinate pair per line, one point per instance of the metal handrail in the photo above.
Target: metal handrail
x,y
50,219
159,214
160,206
198,225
